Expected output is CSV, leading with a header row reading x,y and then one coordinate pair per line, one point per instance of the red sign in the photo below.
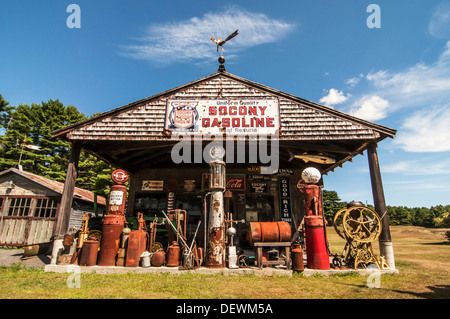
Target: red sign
x,y
119,176
235,182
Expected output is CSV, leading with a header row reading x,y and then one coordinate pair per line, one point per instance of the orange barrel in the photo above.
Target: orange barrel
x,y
109,246
89,252
269,232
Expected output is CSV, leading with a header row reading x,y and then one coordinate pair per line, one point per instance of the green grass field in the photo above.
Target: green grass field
x,y
422,257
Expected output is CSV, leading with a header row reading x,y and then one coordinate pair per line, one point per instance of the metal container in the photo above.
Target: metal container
x,y
111,232
173,255
145,259
157,259
297,258
89,252
269,232
136,246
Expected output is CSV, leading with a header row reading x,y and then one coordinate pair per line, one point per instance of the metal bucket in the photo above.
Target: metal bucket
x,y
269,232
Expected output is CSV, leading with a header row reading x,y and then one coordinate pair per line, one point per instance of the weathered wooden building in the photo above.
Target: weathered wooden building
x,y
144,138
30,207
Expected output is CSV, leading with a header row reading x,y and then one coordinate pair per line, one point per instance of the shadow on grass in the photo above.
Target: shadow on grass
x,y
445,243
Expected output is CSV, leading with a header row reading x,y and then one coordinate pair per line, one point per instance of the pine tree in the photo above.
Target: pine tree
x,y
32,125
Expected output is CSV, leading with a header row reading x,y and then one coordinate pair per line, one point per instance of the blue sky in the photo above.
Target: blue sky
x,y
397,75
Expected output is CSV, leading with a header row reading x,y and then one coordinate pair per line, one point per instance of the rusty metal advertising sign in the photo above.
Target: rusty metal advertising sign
x,y
218,116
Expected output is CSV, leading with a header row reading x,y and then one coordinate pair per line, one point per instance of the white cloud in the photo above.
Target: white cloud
x,y
439,25
426,131
419,85
189,40
370,108
334,97
354,81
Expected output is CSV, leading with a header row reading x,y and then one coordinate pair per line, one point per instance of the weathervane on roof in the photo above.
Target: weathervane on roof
x,y
219,42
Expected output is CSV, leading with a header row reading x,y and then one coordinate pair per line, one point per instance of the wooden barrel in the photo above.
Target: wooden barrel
x,y
269,232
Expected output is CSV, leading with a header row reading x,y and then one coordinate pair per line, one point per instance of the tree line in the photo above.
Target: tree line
x,y
25,136
435,216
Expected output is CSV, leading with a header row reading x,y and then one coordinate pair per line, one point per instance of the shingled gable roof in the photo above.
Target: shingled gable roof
x,y
139,124
300,119
55,186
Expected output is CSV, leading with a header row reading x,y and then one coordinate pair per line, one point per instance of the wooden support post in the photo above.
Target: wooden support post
x,y
386,248
65,207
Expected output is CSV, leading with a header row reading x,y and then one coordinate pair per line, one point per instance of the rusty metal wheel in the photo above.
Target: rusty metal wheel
x,y
361,224
337,222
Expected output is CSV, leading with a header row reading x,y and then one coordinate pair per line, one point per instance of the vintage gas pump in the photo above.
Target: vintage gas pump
x,y
216,243
114,221
317,254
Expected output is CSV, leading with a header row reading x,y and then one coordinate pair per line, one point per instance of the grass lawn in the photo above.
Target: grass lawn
x,y
422,257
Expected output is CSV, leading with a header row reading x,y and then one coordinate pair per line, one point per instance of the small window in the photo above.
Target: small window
x,y
45,208
19,206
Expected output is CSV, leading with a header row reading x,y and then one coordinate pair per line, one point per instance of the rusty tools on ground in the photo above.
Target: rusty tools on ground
x,y
193,245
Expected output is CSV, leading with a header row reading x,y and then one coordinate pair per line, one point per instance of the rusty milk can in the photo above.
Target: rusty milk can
x,y
173,255
297,258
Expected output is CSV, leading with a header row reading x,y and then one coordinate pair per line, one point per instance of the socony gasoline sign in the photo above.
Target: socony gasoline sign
x,y
218,116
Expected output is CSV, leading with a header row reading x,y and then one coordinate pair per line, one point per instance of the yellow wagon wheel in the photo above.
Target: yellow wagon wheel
x,y
337,222
361,224
96,233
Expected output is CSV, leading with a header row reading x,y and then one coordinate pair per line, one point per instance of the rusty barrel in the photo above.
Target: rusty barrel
x,y
111,232
269,232
89,252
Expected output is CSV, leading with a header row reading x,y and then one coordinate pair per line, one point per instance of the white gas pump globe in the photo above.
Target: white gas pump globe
x,y
311,175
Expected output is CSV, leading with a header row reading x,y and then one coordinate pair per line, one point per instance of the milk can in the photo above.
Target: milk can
x,y
173,255
297,258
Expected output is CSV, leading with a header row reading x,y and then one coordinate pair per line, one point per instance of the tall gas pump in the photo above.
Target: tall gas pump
x,y
114,221
317,254
215,256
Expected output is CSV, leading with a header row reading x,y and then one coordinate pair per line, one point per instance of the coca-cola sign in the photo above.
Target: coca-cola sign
x,y
234,182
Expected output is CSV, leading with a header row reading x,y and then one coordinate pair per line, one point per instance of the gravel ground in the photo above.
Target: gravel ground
x,y
10,257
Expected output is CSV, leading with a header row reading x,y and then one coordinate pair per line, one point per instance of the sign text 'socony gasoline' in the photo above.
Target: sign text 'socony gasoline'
x,y
218,116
